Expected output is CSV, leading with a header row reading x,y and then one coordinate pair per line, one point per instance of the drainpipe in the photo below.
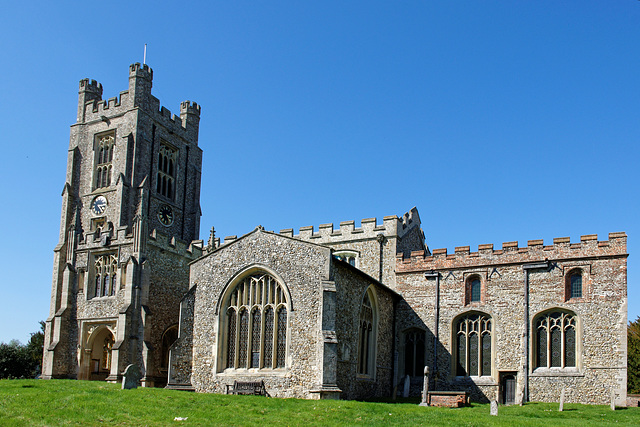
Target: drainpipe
x,y
381,239
526,268
436,335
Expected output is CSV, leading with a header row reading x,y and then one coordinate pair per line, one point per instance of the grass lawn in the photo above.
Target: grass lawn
x,y
64,402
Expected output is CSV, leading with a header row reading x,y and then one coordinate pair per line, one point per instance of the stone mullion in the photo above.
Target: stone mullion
x,y
548,330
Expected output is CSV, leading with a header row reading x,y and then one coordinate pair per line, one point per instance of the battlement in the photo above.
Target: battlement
x,y
562,248
138,70
91,106
169,243
391,226
189,107
91,86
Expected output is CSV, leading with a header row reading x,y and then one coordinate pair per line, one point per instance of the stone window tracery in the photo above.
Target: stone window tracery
x,y
256,324
106,272
555,340
166,176
104,159
414,353
473,345
367,335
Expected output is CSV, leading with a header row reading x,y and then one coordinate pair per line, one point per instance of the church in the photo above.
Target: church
x,y
348,311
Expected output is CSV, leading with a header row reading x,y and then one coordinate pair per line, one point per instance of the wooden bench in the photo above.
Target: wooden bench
x,y
247,387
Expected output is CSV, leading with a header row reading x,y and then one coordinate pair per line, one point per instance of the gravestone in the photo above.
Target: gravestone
x,y
407,386
561,400
613,400
425,387
131,377
494,407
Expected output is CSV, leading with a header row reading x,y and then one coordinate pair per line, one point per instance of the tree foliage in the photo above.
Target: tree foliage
x,y
633,357
22,361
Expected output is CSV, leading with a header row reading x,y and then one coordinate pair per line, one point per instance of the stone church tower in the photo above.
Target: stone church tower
x,y
128,229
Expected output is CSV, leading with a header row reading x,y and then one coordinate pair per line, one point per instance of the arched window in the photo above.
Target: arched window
x,y
367,332
104,158
105,275
574,285
414,352
168,338
165,179
473,289
254,321
473,345
350,257
555,340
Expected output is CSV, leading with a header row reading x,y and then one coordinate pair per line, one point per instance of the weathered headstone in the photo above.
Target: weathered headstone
x,y
425,387
407,386
131,377
561,400
494,407
613,400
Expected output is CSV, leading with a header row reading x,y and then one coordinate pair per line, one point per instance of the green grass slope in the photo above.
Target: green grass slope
x,y
63,402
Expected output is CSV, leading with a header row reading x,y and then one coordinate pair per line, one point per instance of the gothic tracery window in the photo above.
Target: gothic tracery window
x,y
105,271
104,158
555,340
473,345
350,257
256,324
166,177
367,335
414,352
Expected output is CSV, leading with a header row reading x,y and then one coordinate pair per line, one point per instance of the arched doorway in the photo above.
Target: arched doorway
x,y
98,354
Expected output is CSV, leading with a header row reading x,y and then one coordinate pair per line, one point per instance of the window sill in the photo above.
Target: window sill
x,y
484,380
252,372
557,372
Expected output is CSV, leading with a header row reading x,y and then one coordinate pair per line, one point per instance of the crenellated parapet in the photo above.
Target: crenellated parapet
x,y
91,106
180,247
391,226
511,253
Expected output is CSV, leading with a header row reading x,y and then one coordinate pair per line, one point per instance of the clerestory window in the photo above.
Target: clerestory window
x,y
166,177
574,285
555,340
104,158
347,256
473,345
255,324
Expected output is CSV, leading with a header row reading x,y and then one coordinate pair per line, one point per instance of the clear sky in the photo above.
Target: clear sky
x,y
500,120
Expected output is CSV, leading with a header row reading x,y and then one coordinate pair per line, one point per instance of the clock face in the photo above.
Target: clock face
x,y
165,215
99,205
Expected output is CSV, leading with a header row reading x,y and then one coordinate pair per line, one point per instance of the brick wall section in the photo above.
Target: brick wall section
x,y
601,313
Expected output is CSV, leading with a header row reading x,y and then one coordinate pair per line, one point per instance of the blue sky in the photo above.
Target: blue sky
x,y
500,120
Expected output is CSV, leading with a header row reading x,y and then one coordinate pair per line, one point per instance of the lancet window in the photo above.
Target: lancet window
x,y
367,338
255,323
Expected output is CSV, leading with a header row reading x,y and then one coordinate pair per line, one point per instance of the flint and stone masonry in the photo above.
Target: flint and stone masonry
x,y
343,311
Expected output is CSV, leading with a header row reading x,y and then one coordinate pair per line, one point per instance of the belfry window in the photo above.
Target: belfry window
x,y
104,157
255,324
105,275
473,345
555,340
367,332
166,177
